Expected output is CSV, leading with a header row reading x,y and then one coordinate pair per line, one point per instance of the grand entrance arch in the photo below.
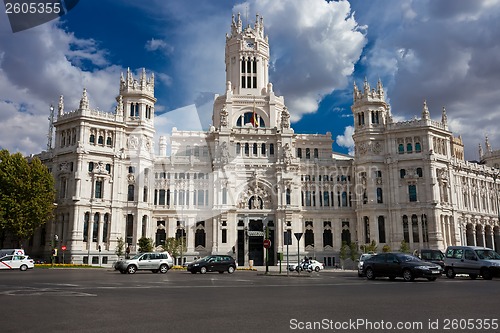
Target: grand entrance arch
x,y
251,235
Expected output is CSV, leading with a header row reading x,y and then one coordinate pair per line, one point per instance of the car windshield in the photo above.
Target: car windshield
x,y
407,257
487,255
136,256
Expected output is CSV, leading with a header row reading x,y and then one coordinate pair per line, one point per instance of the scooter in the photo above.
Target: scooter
x,y
304,266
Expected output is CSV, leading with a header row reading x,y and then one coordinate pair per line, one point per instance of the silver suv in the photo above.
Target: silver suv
x,y
471,260
152,261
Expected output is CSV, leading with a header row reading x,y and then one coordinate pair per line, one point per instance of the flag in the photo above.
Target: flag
x,y
253,120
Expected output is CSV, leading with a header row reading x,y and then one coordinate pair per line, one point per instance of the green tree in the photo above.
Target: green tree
x,y
386,248
353,253
405,248
27,196
145,244
344,254
120,247
175,246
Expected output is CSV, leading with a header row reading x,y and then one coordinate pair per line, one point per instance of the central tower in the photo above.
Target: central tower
x,y
247,57
249,100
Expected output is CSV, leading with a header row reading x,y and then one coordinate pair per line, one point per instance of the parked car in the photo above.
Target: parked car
x,y
213,263
395,264
21,262
361,261
434,256
153,261
471,260
315,265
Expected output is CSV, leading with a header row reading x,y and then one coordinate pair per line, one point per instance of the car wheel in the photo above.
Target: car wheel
x,y
317,269
23,267
370,274
203,270
432,278
450,273
408,275
163,269
473,276
486,274
230,270
131,269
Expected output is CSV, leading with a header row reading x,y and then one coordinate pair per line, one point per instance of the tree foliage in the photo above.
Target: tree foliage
x,y
405,248
120,247
354,253
370,248
175,246
145,244
26,195
344,253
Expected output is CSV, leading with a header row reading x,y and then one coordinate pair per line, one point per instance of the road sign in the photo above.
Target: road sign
x,y
298,235
267,243
63,247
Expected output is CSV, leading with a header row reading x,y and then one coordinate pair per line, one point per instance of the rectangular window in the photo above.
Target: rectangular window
x,y
412,191
98,189
201,198
224,196
224,236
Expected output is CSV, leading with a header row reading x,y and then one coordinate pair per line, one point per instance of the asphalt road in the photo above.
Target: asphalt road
x,y
103,300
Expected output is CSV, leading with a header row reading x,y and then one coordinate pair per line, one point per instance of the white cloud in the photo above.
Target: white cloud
x,y
345,140
158,45
38,65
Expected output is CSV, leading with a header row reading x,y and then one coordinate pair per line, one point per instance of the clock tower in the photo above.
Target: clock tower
x,y
249,99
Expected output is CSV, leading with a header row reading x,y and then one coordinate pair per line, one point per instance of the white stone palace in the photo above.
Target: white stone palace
x,y
221,188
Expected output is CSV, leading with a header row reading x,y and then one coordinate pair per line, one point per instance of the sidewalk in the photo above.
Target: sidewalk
x,y
275,270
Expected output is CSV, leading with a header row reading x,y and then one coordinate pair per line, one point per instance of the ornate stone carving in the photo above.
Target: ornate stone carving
x,y
285,118
223,116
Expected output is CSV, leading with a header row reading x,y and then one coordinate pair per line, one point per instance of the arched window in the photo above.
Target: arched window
x,y
327,238
263,149
255,149
92,138
414,228
105,228
409,147
401,148
199,238
316,154
402,173
406,232
130,193
109,141
344,199
308,153
425,229
299,152
91,166
418,147
380,199
238,148
100,140
86,219
247,149
419,172
381,229
271,149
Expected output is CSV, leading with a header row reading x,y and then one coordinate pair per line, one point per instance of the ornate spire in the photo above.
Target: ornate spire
x,y
61,105
444,117
84,102
366,87
425,111
487,144
380,88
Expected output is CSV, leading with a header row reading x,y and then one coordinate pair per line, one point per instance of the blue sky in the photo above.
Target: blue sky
x,y
445,52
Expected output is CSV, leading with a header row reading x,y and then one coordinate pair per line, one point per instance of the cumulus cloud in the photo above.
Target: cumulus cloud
x,y
443,51
158,45
345,140
37,66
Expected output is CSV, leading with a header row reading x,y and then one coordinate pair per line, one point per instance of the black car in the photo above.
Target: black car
x,y
433,256
395,264
214,263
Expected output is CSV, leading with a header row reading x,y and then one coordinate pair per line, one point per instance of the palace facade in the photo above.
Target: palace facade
x,y
251,177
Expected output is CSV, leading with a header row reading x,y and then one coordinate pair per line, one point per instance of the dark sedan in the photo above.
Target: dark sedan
x,y
403,265
214,263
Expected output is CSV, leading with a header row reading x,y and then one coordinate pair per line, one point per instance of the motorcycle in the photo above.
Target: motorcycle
x,y
304,266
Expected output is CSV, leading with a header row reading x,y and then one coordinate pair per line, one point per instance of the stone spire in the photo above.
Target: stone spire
x,y
444,117
480,152
84,102
425,111
487,144
61,105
